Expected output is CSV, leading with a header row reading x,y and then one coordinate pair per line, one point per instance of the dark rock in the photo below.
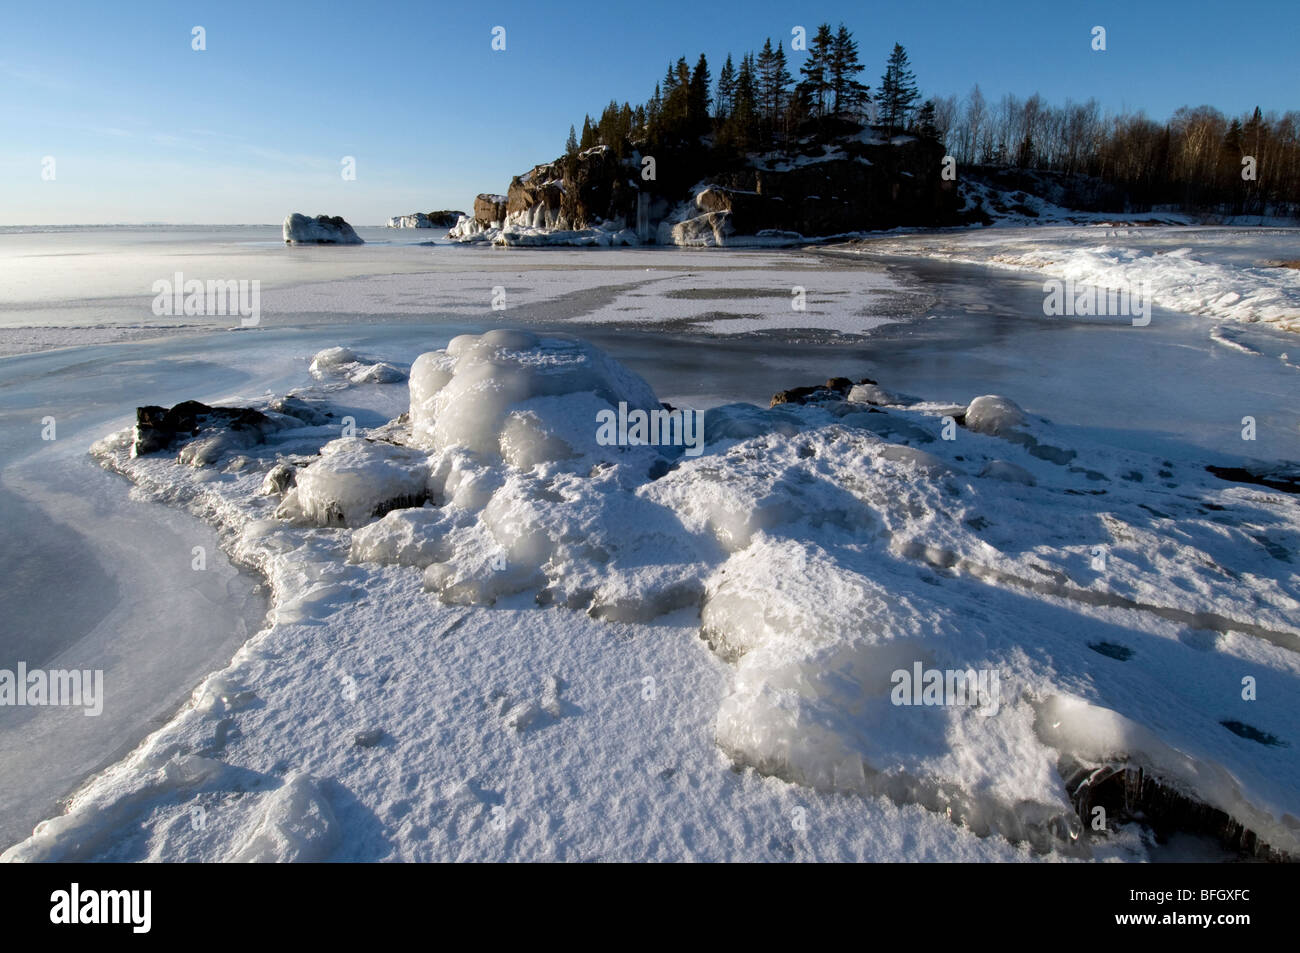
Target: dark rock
x,y
217,429
1129,792
1285,479
837,388
444,218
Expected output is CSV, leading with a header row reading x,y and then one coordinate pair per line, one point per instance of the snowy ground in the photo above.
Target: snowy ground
x,y
1236,274
577,651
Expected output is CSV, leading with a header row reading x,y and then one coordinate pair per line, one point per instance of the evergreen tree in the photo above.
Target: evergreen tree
x,y
773,82
741,127
848,94
571,144
697,103
898,93
926,127
588,135
726,90
815,70
653,110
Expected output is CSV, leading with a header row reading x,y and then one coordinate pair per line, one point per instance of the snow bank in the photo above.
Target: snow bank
x,y
1227,273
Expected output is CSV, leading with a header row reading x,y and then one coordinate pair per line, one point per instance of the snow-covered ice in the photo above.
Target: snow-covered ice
x,y
494,636
1236,274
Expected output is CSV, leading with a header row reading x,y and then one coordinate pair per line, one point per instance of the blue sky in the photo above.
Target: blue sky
x,y
143,128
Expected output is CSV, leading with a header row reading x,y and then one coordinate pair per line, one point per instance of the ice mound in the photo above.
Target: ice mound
x,y
301,229
341,362
994,415
497,394
405,537
354,481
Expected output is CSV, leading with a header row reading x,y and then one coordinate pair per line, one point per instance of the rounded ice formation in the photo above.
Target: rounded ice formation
x,y
499,395
994,415
331,359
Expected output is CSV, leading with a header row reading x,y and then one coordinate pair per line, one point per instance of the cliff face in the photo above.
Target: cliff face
x,y
853,182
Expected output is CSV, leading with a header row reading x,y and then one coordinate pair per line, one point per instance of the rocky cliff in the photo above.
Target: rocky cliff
x,y
857,180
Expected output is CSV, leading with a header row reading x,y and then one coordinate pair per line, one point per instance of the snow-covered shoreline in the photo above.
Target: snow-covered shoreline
x,y
1230,273
413,700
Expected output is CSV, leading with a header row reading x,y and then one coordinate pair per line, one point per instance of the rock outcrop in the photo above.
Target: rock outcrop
x,y
489,209
442,219
826,184
203,432
301,229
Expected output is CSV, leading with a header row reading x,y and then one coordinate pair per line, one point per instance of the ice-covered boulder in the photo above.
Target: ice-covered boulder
x,y
335,363
444,218
708,230
301,229
993,415
355,481
418,220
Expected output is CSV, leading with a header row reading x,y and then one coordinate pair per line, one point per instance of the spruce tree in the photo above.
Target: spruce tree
x,y
849,95
815,70
697,103
898,93
571,144
925,121
726,90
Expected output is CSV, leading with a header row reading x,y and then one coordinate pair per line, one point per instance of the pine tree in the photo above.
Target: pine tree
x,y
926,126
898,93
571,144
815,70
849,95
722,102
697,103
742,125
588,135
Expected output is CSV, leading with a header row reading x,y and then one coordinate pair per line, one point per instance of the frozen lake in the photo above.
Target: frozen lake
x,y
96,580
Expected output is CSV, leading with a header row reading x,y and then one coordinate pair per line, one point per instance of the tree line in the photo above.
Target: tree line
x,y
1192,161
757,103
